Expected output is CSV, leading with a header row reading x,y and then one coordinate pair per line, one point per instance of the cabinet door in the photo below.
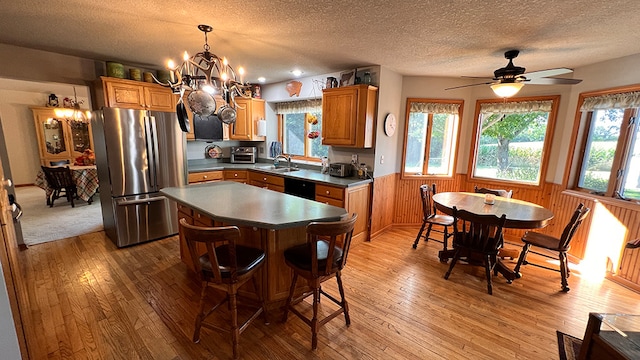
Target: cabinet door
x,y
52,136
241,129
124,95
159,99
80,138
339,116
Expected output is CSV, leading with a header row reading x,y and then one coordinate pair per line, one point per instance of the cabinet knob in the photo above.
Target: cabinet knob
x,y
204,176
236,174
328,192
264,179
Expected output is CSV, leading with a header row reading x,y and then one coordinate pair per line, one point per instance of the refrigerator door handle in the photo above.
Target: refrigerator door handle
x,y
152,148
155,159
140,201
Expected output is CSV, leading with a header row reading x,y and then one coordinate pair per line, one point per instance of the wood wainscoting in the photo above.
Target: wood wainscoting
x,y
599,243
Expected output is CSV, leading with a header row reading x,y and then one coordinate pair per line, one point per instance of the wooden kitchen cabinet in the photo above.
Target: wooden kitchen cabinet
x,y
236,175
348,116
59,139
129,94
271,182
354,199
249,111
205,176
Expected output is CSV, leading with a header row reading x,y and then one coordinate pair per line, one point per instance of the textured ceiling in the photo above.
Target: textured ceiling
x,y
271,37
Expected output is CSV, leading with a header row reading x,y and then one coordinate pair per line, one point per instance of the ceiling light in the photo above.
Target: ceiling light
x,y
296,72
74,115
206,74
506,89
261,79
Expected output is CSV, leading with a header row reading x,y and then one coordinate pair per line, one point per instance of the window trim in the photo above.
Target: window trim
x,y
456,145
546,149
579,134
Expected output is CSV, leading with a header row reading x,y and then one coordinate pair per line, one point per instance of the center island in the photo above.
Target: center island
x,y
267,219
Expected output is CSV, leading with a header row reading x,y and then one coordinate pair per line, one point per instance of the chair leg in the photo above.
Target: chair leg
x,y
445,239
487,267
260,298
456,256
200,316
235,331
288,303
521,260
426,237
314,320
345,306
415,243
563,270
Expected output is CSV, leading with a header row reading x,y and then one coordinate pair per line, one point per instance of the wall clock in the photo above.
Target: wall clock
x,y
390,124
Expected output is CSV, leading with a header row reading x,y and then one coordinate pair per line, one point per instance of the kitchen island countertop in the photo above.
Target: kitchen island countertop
x,y
240,204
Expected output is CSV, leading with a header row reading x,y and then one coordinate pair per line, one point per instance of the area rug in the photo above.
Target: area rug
x,y
41,223
568,346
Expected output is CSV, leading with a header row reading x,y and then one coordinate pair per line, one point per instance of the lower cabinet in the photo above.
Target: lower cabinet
x,y
355,200
236,175
271,182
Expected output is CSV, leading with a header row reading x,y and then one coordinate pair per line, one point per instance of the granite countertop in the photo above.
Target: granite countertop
x,y
242,204
313,175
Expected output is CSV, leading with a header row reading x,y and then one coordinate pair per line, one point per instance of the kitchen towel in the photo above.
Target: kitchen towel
x,y
275,149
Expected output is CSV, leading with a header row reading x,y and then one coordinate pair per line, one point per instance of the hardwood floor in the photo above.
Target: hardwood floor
x,y
90,300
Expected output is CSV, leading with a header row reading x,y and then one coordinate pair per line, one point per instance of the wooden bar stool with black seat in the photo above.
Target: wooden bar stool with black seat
x,y
225,266
430,218
548,242
322,257
477,238
61,182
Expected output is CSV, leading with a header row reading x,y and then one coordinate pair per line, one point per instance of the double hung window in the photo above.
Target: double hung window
x,y
301,129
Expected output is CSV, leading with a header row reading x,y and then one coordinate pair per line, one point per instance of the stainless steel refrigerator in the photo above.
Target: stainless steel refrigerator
x,y
138,152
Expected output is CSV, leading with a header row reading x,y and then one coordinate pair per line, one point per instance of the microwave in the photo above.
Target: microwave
x,y
340,169
243,155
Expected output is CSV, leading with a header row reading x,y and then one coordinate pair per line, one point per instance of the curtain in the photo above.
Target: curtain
x,y
516,107
612,101
297,107
435,108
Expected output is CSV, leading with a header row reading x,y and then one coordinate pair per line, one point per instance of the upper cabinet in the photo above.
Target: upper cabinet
x,y
249,111
348,116
60,139
129,94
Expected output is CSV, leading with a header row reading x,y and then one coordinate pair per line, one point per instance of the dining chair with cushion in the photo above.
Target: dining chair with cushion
x,y
321,258
477,238
497,192
560,245
430,217
226,266
61,182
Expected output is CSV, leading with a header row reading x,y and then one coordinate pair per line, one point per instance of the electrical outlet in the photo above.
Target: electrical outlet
x,y
381,159
261,150
354,158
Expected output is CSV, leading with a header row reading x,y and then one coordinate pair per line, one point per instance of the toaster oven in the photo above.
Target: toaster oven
x,y
243,155
340,169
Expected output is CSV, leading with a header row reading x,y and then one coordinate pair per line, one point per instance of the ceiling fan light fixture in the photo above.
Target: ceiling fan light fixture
x,y
506,90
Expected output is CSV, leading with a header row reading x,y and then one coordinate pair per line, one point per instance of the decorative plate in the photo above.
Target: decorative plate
x,y
213,152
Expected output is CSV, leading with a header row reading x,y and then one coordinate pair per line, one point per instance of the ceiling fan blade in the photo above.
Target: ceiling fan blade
x,y
553,81
463,86
478,77
548,73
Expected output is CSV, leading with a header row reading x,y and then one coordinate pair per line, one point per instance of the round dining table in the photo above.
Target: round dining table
x,y
520,215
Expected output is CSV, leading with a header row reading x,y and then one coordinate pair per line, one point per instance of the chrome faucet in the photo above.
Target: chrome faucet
x,y
281,156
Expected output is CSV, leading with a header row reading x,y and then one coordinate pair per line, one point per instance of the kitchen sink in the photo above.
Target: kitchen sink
x,y
279,170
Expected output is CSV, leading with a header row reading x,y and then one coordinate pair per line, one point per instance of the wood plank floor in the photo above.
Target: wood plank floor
x,y
90,300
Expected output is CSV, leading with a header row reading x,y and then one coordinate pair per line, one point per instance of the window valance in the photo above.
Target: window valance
x,y
301,106
435,108
612,101
516,107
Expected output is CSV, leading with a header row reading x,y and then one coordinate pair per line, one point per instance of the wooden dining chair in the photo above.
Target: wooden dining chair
x,y
61,182
430,218
560,245
477,238
59,163
321,258
497,192
225,266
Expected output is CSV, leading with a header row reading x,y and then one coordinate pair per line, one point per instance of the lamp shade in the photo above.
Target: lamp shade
x,y
506,90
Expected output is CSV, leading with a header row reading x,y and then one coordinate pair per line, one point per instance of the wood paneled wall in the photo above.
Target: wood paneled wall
x,y
600,240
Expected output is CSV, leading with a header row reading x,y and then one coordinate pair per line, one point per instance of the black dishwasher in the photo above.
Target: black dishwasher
x,y
301,188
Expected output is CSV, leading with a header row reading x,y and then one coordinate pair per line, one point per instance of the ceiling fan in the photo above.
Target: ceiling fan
x,y
507,81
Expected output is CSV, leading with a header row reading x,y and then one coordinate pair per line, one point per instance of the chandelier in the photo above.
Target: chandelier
x,y
206,76
74,115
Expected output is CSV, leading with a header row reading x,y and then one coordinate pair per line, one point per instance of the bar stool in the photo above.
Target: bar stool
x,y
322,257
226,267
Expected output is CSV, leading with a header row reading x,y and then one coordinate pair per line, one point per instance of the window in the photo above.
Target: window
x,y
430,137
513,137
300,129
609,156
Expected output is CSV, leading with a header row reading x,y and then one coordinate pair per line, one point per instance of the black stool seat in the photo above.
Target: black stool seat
x,y
300,256
247,259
